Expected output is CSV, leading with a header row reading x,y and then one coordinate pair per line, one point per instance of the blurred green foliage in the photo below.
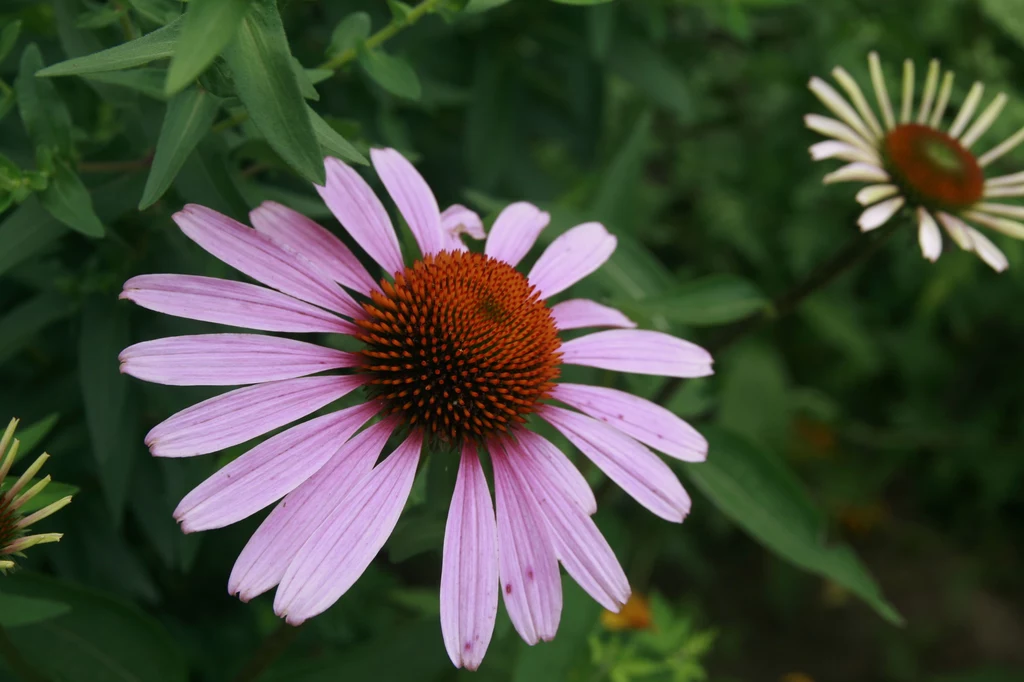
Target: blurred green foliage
x,y
871,442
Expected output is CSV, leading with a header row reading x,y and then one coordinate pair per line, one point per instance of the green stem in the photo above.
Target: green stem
x,y
21,667
378,38
272,646
859,248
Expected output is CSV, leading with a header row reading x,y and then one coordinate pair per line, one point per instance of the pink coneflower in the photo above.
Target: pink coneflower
x,y
459,348
909,160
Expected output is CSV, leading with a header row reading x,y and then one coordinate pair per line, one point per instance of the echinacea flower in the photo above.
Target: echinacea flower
x,y
911,161
458,348
15,524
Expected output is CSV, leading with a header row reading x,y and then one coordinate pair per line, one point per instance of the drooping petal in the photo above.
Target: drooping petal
x,y
578,543
341,548
263,259
360,212
874,193
633,467
572,256
514,232
969,239
237,416
928,235
1011,228
645,421
457,220
581,312
469,568
228,359
527,564
263,560
839,106
313,242
269,471
412,195
556,466
856,172
879,214
237,304
640,351
857,97
834,149
830,127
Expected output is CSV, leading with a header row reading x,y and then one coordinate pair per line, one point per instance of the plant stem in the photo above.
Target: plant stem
x,y
272,646
378,38
21,667
856,250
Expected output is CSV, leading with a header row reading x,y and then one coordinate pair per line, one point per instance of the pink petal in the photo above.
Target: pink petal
x,y
556,467
527,564
263,561
650,424
633,467
578,543
228,359
354,530
269,471
263,259
360,212
580,312
314,243
571,257
237,416
514,232
413,197
457,220
469,569
639,351
222,301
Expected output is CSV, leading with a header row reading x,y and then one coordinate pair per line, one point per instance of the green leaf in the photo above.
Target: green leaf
x,y
262,68
711,300
156,45
150,82
26,232
31,436
189,117
158,11
16,611
22,323
476,6
106,396
48,495
208,28
1009,15
582,2
649,71
99,640
399,11
349,33
394,74
764,498
99,17
8,38
67,200
42,111
625,170
332,143
306,86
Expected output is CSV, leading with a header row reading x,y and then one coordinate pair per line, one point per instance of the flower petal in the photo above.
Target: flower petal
x,y
360,212
571,257
830,127
263,259
354,530
581,312
857,172
645,421
872,194
633,467
833,149
469,568
457,220
237,416
1011,228
556,467
527,564
514,232
228,359
263,560
640,351
313,242
928,235
969,239
839,106
269,471
879,214
413,197
238,304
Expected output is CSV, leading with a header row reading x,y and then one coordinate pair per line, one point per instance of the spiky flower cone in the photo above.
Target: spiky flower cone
x,y
15,525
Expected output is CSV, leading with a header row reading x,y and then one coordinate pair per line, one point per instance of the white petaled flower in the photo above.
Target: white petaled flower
x,y
908,159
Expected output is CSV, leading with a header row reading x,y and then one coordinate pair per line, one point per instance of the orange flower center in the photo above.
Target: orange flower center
x,y
461,346
932,167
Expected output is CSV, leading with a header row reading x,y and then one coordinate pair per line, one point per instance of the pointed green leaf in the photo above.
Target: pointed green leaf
x,y
394,74
16,610
100,17
349,33
209,27
306,86
332,143
8,38
150,82
712,300
189,116
42,110
67,200
261,65
650,72
156,45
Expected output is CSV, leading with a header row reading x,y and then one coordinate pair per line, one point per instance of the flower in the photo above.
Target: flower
x,y
458,348
14,502
914,163
635,614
